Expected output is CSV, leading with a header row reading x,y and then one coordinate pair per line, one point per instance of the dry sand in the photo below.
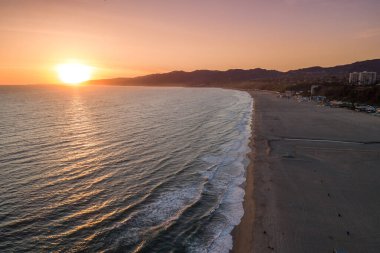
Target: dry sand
x,y
314,184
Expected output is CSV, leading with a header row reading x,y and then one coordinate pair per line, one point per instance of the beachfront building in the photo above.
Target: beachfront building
x,y
354,78
367,78
363,78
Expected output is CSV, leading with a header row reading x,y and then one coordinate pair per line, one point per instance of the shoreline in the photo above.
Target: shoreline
x,y
242,234
303,195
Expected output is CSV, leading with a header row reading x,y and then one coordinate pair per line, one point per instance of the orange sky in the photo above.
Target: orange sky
x,y
130,38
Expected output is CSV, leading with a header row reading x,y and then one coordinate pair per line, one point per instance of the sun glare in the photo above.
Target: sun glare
x,y
74,73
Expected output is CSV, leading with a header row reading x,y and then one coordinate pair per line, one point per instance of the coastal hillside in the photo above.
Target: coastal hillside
x,y
370,65
247,78
194,78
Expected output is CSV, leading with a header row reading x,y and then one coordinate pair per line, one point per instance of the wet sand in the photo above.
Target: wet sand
x,y
314,181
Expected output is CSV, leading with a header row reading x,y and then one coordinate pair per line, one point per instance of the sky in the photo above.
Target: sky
x,y
126,38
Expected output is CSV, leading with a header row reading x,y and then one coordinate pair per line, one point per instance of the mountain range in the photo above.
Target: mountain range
x,y
219,78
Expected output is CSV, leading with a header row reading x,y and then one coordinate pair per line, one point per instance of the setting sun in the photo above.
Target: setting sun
x,y
74,73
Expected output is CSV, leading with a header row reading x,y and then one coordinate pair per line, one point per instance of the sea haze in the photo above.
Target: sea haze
x,y
121,168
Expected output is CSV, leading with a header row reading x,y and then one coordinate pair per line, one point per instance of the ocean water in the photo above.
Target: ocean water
x,y
121,169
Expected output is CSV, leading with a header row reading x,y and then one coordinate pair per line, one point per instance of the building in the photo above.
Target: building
x,y
314,90
354,78
363,78
367,78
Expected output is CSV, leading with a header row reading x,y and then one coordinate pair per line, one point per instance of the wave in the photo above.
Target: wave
x,y
233,162
114,169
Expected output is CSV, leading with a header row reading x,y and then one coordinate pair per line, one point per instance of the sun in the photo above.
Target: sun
x,y
74,73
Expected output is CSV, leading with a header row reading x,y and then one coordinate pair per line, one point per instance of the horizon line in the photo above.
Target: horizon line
x,y
191,71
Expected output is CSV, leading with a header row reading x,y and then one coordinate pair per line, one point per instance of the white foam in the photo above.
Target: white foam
x,y
166,208
229,175
226,174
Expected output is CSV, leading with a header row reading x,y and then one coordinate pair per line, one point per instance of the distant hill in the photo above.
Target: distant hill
x,y
220,78
194,78
370,65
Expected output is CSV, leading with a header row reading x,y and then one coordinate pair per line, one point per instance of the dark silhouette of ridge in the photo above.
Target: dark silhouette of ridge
x,y
215,78
369,65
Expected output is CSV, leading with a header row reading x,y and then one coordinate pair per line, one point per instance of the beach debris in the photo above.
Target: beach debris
x,y
348,232
339,215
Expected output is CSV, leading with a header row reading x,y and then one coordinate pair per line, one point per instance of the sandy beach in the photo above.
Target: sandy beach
x,y
313,183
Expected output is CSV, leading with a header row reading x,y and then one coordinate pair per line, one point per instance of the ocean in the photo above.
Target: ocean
x,y
121,169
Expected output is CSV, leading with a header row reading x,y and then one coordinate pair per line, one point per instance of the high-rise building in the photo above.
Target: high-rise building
x,y
367,78
354,78
363,78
